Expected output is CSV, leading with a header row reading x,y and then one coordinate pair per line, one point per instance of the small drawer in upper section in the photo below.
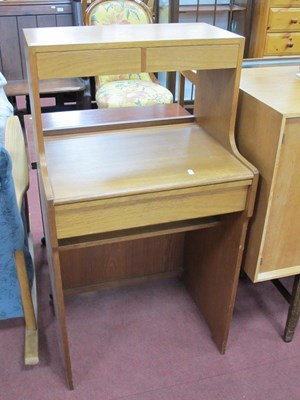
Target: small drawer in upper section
x,y
284,19
97,62
199,57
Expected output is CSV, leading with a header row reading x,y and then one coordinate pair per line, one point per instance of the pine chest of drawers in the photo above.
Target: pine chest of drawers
x,y
275,28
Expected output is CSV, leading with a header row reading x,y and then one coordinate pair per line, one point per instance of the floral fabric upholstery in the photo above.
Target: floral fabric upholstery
x,y
119,12
12,238
130,93
125,90
111,78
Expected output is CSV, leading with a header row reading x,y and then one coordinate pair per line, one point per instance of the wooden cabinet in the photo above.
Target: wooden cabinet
x,y
17,15
275,28
268,128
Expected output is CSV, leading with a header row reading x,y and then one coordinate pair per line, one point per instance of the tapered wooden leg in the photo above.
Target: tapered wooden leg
x,y
31,331
294,311
212,265
59,307
56,280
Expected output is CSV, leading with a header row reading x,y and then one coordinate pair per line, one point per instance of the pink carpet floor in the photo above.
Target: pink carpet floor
x,y
149,342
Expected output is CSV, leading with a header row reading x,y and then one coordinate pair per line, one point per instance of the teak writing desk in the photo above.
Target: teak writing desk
x,y
132,183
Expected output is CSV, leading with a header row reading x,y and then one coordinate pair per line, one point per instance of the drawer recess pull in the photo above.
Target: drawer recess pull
x,y
294,20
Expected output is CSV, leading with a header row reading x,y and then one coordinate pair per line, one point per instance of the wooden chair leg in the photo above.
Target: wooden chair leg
x,y
181,88
294,311
31,332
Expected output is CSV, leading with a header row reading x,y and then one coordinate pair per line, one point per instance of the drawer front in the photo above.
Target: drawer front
x,y
282,44
98,62
284,20
285,3
191,57
116,214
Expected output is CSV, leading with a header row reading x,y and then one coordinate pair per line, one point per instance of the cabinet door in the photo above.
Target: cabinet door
x,y
9,48
13,19
282,236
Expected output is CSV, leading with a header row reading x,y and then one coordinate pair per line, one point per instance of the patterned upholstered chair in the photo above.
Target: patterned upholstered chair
x,y
125,90
16,266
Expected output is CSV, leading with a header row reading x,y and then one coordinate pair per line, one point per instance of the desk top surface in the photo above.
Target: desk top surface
x,y
277,87
110,36
140,160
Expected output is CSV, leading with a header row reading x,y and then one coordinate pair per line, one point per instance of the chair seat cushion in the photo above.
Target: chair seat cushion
x,y
103,79
130,93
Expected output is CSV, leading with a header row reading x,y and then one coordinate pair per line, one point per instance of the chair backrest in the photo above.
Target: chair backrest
x,y
106,12
15,145
150,4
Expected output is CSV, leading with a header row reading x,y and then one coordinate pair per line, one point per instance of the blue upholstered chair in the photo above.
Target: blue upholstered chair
x,y
16,267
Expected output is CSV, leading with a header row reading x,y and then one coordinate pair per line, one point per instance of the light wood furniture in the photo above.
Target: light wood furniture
x,y
275,28
131,258
15,145
145,182
268,135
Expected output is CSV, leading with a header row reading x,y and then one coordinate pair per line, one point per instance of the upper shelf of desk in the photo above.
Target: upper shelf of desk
x,y
131,48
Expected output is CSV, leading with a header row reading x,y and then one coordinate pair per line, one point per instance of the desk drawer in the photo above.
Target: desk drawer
x,y
199,57
119,213
104,62
284,20
282,44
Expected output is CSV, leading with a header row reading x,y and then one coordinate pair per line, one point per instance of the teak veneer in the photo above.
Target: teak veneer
x,y
182,184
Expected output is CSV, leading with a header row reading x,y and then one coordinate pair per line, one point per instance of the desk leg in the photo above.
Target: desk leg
x,y
56,281
212,265
58,301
